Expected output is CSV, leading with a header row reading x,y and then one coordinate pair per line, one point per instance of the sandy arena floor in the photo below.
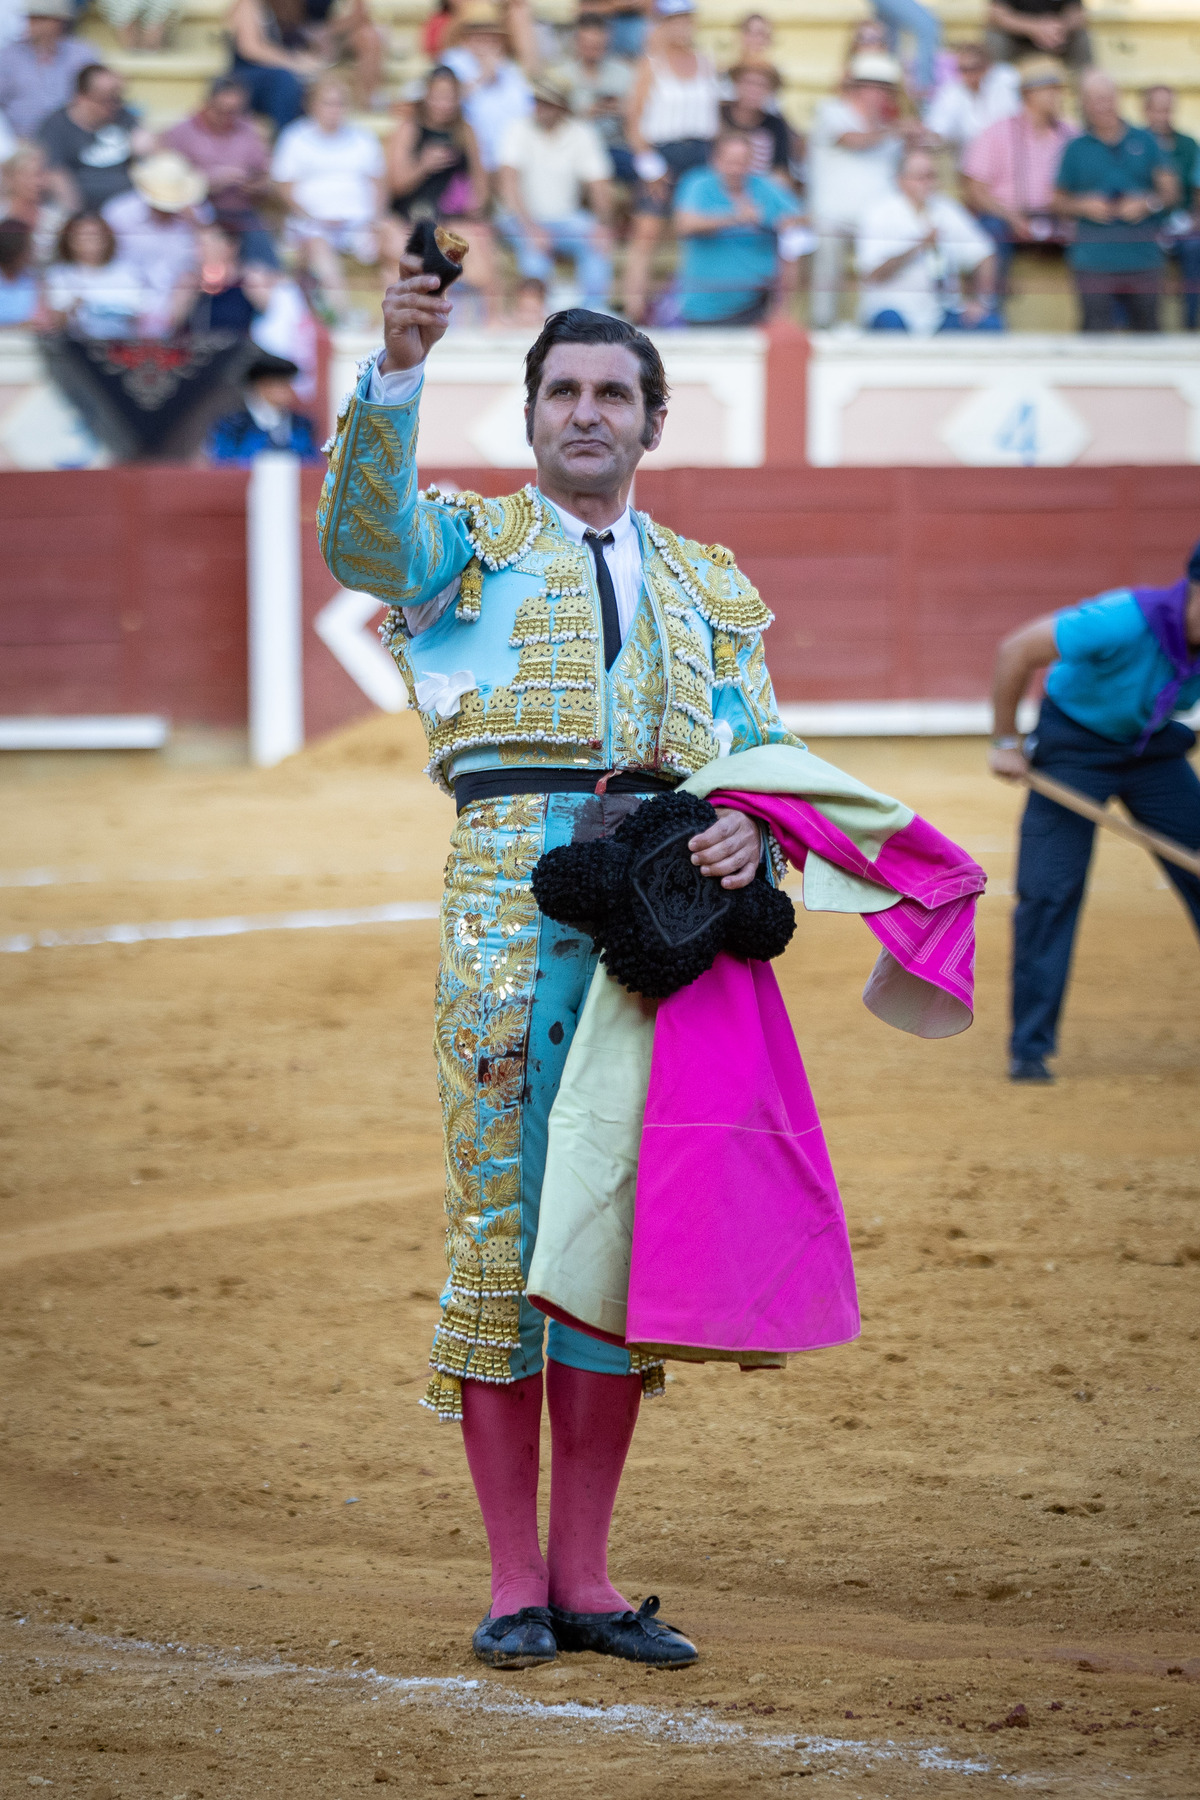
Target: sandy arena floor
x,y
955,1558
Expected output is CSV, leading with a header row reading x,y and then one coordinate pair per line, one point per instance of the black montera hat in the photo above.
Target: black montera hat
x,y
266,367
656,920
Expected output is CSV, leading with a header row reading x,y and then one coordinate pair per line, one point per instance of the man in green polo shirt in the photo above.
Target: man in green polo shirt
x,y
1114,180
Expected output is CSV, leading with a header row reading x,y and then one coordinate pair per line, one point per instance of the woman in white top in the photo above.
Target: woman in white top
x,y
330,173
89,288
672,118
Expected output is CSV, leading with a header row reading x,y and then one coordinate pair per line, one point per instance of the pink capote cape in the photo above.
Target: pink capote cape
x,y
739,1237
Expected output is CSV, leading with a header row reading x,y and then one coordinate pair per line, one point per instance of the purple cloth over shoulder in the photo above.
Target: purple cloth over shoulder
x,y
1165,613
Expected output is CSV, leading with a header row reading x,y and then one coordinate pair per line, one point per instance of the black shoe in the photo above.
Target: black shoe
x,y
1028,1068
517,1640
637,1636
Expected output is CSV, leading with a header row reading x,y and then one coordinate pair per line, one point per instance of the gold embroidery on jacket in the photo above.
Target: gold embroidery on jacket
x,y
637,688
714,584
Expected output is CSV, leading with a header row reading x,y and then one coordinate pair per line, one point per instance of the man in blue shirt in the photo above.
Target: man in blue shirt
x,y
1119,667
1114,180
727,219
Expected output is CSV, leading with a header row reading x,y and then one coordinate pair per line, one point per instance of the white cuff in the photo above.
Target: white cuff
x,y
395,388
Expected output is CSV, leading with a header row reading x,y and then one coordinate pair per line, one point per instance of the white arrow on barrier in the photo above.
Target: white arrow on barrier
x,y
340,627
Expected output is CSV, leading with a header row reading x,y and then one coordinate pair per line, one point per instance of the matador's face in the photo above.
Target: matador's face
x,y
588,426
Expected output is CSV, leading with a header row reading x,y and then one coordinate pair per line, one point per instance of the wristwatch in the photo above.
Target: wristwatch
x,y
1006,743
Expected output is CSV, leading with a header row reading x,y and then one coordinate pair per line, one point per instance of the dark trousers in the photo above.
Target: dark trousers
x,y
1116,302
1159,788
277,93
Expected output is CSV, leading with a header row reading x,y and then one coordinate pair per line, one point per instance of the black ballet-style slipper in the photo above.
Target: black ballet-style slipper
x,y
637,1636
517,1640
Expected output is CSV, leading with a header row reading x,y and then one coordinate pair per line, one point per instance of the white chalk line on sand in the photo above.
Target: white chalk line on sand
x,y
481,1696
396,912
87,874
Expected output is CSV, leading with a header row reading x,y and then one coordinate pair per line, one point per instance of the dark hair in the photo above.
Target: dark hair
x,y
64,250
16,241
765,69
579,326
89,71
592,21
228,84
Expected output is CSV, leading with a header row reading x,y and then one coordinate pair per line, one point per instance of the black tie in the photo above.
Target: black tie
x,y
610,618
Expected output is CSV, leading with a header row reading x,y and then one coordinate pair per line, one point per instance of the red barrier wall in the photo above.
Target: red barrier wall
x,y
123,590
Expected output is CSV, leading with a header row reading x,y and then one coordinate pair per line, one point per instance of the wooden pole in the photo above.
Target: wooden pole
x,y
1079,803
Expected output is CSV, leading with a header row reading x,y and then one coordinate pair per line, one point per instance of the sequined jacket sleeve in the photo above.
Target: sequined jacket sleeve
x,y
745,699
377,534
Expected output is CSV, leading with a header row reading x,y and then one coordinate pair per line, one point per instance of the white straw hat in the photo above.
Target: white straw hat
x,y
168,182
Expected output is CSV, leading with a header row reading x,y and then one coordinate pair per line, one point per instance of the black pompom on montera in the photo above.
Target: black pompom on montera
x,y
656,920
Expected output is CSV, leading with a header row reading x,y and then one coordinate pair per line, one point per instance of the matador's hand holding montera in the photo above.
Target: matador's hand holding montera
x,y
415,317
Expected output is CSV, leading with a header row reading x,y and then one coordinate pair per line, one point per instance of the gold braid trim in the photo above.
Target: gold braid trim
x,y
502,530
652,1371
470,593
443,1396
718,589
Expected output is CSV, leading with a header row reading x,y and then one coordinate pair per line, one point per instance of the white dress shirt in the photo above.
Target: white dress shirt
x,y
623,556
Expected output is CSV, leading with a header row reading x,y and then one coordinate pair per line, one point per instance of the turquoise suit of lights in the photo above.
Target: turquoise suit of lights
x,y
511,676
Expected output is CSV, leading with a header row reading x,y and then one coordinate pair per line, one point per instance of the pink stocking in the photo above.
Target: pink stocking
x,y
501,1427
592,1417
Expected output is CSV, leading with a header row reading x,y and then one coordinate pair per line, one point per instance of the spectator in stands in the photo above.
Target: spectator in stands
x,y
330,172
343,31
901,17
626,26
597,84
433,171
93,141
672,118
1179,236
753,112
914,246
756,39
854,150
39,71
156,230
272,57
734,225
1020,28
284,324
20,294
868,34
229,152
29,192
552,168
493,54
1114,181
269,418
89,287
220,301
981,93
438,26
140,24
1010,169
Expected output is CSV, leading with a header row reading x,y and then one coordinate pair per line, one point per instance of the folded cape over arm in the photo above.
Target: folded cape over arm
x,y
688,1200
